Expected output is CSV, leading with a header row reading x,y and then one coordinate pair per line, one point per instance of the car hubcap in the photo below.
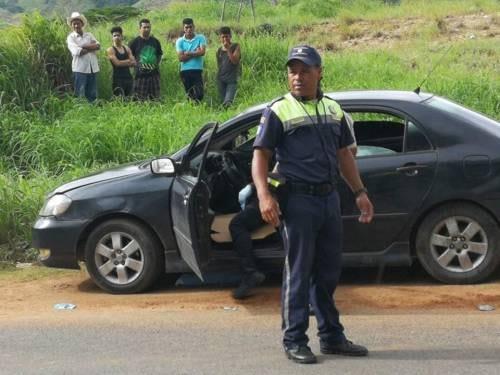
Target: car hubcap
x,y
459,244
119,258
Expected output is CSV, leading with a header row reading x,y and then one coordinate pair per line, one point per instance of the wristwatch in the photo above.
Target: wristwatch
x,y
358,192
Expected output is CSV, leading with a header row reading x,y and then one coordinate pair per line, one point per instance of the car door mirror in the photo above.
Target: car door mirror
x,y
163,166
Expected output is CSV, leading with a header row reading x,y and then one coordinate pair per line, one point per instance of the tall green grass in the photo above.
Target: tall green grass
x,y
46,140
33,60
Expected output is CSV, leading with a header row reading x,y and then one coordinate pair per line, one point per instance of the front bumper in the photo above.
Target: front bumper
x,y
61,238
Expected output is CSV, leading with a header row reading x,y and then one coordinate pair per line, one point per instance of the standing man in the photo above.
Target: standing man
x,y
250,219
190,49
121,59
147,51
83,47
310,135
229,68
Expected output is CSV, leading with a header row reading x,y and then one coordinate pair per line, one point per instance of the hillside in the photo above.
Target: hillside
x,y
10,8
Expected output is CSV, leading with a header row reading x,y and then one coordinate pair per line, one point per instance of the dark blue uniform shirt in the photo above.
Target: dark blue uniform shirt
x,y
306,138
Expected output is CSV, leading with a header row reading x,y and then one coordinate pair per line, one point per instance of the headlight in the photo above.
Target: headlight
x,y
55,205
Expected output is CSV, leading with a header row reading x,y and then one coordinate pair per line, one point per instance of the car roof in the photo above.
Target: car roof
x,y
392,95
355,95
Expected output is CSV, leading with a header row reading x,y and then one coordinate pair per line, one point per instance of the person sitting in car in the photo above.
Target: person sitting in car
x,y
250,219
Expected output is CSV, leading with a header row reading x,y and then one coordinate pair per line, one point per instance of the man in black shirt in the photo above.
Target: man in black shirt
x,y
147,51
121,59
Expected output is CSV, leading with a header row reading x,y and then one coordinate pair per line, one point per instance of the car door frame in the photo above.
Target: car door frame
x,y
189,205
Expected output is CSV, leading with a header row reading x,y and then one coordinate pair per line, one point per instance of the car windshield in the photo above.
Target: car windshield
x,y
459,111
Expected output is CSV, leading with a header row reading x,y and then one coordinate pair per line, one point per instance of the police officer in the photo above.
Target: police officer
x,y
310,135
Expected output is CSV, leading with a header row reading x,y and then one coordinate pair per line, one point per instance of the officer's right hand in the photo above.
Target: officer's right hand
x,y
270,210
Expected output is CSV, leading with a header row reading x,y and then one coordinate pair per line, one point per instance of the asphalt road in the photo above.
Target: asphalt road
x,y
410,323
238,342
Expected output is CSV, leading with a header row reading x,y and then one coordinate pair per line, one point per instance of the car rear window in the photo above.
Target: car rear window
x,y
457,110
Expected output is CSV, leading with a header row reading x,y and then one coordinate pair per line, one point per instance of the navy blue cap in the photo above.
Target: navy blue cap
x,y
307,54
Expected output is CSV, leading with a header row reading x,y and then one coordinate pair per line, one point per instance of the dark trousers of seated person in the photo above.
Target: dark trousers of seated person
x,y
193,83
241,227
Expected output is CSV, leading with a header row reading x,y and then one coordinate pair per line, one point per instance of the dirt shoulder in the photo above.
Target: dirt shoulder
x,y
29,295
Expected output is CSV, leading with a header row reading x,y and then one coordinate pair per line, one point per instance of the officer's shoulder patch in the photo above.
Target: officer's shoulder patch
x,y
276,100
333,108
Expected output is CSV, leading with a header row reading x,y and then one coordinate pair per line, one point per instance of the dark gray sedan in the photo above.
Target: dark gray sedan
x,y
432,169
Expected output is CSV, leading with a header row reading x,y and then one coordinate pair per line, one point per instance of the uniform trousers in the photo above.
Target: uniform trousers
x,y
312,238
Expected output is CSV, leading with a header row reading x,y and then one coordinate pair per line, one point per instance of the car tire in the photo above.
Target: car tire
x,y
123,256
459,244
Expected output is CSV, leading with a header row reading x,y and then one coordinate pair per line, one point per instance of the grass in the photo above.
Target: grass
x,y
9,273
47,138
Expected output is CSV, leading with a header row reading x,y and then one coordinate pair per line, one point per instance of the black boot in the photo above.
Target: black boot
x,y
346,347
301,354
249,281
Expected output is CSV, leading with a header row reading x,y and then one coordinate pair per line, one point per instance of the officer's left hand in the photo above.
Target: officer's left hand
x,y
366,208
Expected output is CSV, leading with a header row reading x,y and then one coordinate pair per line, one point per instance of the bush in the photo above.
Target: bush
x,y
33,60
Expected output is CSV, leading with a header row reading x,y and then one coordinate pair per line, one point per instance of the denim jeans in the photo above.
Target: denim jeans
x,y
86,85
227,92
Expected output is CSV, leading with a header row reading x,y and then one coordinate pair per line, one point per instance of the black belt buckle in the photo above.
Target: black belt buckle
x,y
323,189
310,189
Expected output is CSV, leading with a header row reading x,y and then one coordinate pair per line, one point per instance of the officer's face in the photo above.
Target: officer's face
x,y
303,79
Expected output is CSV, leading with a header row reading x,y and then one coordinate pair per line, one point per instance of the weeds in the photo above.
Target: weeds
x,y
47,138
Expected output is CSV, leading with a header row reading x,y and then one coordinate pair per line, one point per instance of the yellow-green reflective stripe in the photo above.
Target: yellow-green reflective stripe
x,y
291,112
273,182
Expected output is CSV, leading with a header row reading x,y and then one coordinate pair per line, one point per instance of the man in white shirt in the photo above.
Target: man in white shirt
x,y
83,47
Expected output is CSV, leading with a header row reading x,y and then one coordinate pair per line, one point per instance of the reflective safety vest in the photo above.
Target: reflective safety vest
x,y
294,113
322,119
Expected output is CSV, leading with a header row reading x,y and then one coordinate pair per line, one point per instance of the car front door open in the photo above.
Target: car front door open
x,y
190,203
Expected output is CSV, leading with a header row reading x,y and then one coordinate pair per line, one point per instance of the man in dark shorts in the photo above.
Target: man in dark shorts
x,y
147,51
122,59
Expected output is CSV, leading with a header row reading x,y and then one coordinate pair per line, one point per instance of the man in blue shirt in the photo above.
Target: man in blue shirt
x,y
190,50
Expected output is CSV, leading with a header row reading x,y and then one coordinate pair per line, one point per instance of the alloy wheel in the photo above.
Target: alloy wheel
x,y
119,258
458,244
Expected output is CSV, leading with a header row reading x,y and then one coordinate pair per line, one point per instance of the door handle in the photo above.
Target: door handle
x,y
411,169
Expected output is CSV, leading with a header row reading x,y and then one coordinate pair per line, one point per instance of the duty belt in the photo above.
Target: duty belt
x,y
310,189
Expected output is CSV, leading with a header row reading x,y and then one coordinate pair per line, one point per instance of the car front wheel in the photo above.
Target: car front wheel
x,y
123,256
459,244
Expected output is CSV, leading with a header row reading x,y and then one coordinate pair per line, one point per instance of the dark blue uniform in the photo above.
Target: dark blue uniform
x,y
306,137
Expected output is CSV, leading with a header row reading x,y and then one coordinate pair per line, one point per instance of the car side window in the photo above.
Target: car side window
x,y
378,133
415,139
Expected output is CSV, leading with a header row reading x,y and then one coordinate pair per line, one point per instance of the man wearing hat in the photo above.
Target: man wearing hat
x,y
310,135
83,47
